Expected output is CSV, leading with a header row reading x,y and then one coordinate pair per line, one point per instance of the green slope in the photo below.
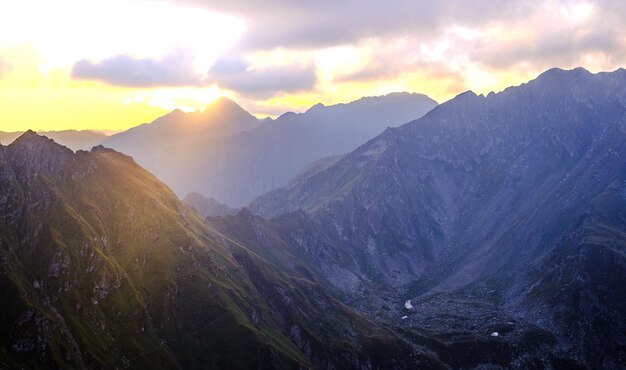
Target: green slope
x,y
103,267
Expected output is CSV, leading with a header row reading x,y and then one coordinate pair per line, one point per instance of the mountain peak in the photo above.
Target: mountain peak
x,y
316,107
218,107
224,108
29,135
581,83
33,154
560,73
222,103
221,112
223,100
102,149
466,95
31,139
397,96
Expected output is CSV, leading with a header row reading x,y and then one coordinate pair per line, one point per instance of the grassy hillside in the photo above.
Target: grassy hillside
x,y
103,267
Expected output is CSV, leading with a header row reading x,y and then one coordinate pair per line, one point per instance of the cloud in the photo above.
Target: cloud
x,y
176,69
385,59
228,65
471,44
315,24
552,43
235,74
173,70
556,31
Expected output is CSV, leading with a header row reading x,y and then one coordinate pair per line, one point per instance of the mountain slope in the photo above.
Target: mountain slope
x,y
446,330
235,169
103,267
477,198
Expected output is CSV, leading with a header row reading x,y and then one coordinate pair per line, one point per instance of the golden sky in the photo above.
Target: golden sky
x,y
86,64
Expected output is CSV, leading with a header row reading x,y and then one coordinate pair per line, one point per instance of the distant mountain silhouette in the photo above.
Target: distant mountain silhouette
x,y
73,139
237,168
146,143
208,207
8,137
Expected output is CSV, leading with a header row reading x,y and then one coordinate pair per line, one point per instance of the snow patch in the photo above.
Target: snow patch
x,y
408,304
404,317
494,334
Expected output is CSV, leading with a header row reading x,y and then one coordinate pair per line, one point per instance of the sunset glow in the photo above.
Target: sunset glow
x,y
117,64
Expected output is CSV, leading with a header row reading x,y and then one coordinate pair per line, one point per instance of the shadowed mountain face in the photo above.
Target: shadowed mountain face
x,y
103,267
75,140
237,168
503,210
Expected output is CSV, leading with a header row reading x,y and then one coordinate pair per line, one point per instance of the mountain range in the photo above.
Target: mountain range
x,y
506,208
146,142
226,154
73,139
243,157
489,233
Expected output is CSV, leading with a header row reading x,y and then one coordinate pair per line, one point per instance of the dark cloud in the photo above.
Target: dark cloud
x,y
174,69
235,74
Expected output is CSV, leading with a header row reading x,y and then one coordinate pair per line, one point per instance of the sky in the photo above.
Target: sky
x,y
84,64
